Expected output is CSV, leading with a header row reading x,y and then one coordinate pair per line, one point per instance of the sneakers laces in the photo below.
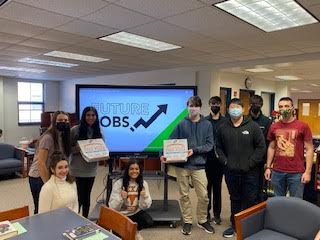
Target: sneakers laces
x,y
186,228
228,233
206,226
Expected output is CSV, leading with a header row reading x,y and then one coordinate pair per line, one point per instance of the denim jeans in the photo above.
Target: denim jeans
x,y
35,186
243,189
284,182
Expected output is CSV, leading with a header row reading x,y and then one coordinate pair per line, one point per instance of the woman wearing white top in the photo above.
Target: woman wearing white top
x,y
61,190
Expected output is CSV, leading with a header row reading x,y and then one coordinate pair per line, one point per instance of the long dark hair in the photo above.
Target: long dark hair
x,y
65,135
126,178
57,157
83,127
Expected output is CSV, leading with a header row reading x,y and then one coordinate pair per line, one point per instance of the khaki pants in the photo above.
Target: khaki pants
x,y
200,183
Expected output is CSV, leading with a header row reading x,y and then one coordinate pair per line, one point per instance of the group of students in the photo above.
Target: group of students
x,y
236,147
60,177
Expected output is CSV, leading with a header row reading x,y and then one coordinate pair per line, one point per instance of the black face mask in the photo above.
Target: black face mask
x,y
255,109
62,126
215,109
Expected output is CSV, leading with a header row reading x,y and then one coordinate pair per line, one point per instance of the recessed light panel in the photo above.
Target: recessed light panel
x,y
47,62
259,70
134,40
288,77
268,15
22,69
76,56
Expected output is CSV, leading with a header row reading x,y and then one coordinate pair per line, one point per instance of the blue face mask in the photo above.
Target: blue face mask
x,y
235,112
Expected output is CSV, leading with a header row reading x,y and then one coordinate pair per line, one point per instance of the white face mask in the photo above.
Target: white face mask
x,y
194,111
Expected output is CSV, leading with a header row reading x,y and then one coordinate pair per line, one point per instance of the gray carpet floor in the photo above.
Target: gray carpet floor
x,y
15,192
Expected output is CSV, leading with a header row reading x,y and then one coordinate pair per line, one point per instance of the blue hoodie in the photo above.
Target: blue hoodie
x,y
200,139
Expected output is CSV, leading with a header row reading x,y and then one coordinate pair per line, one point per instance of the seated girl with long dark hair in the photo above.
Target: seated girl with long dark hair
x,y
130,195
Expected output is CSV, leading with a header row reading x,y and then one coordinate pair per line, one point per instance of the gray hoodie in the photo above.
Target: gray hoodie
x,y
200,139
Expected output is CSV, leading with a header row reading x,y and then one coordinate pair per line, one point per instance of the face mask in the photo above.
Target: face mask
x,y
286,113
215,109
194,111
62,126
235,112
255,109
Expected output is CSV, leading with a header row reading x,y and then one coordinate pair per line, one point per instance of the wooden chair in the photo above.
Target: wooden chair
x,y
118,223
14,214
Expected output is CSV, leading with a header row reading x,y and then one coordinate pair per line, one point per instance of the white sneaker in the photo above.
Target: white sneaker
x,y
138,236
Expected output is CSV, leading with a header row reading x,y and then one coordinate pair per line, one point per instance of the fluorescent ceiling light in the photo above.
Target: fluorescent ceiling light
x,y
134,40
285,77
22,69
268,15
76,56
306,91
259,70
315,85
294,89
47,62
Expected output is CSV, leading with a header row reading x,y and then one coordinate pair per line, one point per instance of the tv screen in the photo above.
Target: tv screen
x,y
135,120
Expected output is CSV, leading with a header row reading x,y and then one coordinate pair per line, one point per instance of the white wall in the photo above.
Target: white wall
x,y
178,76
9,111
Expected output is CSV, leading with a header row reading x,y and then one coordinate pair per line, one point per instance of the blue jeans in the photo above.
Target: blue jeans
x,y
243,189
35,186
284,182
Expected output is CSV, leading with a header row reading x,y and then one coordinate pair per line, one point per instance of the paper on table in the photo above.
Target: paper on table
x,y
99,236
19,227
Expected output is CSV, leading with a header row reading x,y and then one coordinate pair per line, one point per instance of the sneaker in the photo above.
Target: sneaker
x,y
217,220
228,233
186,228
206,226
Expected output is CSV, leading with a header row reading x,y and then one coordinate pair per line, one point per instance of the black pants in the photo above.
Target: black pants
x,y
143,219
243,189
35,186
214,172
84,187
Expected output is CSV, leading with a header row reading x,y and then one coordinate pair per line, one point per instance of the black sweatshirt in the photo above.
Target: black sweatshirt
x,y
240,148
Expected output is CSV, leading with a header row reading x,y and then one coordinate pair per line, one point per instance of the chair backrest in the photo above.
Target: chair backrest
x,y
120,224
6,151
292,216
14,214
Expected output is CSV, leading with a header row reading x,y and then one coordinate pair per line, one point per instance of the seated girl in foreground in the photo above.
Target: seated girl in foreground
x,y
61,190
130,195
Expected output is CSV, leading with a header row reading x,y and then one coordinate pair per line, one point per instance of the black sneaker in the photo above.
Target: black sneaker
x,y
206,226
217,220
228,233
186,228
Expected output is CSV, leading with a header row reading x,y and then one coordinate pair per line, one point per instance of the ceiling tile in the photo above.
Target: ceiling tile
x,y
50,45
86,29
118,17
160,9
11,38
26,14
21,29
74,8
62,37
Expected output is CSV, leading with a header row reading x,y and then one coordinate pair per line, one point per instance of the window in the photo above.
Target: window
x,y
30,103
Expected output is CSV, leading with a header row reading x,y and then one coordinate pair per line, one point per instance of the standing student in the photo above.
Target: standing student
x,y
214,168
199,134
56,138
289,138
130,195
256,115
241,147
61,190
84,172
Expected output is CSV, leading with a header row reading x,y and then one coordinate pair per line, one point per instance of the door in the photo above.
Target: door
x,y
309,112
225,95
245,97
268,103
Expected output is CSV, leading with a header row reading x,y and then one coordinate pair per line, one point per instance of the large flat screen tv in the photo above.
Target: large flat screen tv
x,y
135,119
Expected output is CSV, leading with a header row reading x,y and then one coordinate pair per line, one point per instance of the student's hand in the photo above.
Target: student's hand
x,y
267,174
143,192
124,194
305,178
163,159
190,152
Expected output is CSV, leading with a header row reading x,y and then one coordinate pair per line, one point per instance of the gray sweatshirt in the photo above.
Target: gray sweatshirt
x,y
200,139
